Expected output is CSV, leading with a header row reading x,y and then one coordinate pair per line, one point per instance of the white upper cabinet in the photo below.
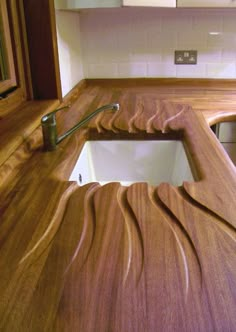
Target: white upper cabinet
x,y
79,4
150,3
206,3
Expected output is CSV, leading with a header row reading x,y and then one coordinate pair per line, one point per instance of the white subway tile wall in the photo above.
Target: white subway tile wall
x,y
140,42
69,49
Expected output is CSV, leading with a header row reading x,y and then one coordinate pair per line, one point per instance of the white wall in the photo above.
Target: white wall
x,y
140,42
69,48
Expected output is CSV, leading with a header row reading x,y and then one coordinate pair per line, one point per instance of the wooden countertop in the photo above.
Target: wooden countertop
x,y
114,258
17,125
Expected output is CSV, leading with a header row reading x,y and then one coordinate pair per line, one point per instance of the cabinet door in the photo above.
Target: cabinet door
x,y
227,132
79,4
150,3
206,3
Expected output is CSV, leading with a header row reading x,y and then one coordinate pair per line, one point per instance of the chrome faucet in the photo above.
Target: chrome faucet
x,y
49,126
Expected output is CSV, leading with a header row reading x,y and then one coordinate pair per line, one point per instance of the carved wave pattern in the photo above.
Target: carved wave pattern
x,y
142,258
149,245
144,113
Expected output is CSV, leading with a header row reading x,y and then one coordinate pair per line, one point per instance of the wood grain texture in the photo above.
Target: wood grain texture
x,y
42,45
8,80
215,99
115,258
17,126
21,76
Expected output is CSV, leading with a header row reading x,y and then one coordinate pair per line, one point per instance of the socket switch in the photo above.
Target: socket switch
x,y
186,57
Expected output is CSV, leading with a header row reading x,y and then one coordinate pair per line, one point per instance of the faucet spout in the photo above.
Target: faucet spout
x,y
114,107
49,126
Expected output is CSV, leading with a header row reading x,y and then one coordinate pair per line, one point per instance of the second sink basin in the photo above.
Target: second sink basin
x,y
128,162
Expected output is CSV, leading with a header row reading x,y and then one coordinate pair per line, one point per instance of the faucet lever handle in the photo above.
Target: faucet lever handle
x,y
50,118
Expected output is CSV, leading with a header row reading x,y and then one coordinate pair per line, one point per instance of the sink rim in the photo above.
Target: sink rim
x,y
124,180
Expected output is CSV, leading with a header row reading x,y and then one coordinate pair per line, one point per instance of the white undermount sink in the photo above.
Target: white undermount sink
x,y
128,162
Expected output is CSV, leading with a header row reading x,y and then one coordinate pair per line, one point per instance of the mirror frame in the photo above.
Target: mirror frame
x,y
10,82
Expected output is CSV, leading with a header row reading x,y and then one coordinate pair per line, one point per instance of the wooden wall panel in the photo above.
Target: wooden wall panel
x,y
42,43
